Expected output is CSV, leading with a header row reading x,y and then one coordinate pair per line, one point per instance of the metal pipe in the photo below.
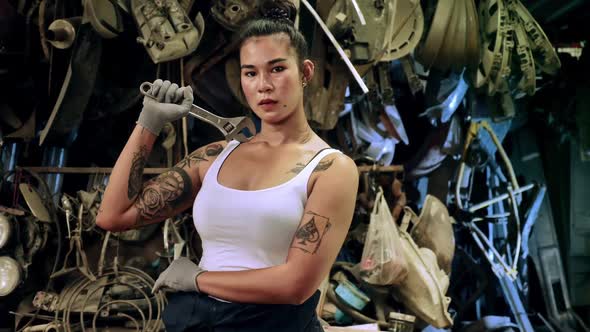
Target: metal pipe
x,y
500,198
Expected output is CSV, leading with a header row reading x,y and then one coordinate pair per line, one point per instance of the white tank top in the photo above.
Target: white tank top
x,y
249,229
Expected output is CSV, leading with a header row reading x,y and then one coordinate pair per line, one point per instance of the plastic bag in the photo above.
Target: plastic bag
x,y
383,261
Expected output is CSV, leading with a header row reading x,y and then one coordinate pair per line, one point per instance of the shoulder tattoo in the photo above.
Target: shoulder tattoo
x,y
323,165
200,155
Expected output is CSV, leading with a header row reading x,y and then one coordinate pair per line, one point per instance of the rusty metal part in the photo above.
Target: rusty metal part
x,y
82,298
104,16
543,52
11,275
5,229
34,202
472,44
46,301
232,14
495,27
165,30
336,45
408,29
527,82
62,32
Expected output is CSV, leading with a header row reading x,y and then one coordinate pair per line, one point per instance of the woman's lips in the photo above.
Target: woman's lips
x,y
267,104
267,101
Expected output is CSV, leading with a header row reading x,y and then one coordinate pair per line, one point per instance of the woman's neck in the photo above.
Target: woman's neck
x,y
293,130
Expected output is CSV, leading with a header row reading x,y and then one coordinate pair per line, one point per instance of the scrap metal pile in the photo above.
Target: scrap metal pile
x,y
440,242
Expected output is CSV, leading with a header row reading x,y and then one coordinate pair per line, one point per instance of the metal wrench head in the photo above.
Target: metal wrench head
x,y
237,133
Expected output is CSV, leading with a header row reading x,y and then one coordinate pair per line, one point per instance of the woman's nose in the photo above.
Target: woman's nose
x,y
264,83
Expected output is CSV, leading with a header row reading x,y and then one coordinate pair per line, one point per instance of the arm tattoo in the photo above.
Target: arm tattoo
x,y
310,234
199,156
298,168
136,173
163,194
323,165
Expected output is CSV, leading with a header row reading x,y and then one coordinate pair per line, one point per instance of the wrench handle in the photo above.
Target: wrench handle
x,y
220,123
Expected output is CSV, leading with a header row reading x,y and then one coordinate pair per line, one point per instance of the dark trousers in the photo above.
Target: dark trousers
x,y
199,312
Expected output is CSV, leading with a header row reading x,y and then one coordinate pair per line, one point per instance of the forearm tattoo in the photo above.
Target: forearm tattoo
x,y
136,173
310,234
198,156
163,194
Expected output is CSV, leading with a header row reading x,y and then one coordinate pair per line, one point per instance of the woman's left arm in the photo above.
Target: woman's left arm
x,y
317,241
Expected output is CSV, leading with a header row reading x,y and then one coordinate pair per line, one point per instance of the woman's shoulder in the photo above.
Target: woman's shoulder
x,y
205,154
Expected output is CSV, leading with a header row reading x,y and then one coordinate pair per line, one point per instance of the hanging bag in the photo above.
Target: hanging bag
x,y
383,261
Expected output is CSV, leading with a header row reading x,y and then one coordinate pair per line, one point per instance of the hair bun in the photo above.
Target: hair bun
x,y
278,10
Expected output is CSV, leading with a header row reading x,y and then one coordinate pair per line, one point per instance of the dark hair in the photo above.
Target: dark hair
x,y
276,16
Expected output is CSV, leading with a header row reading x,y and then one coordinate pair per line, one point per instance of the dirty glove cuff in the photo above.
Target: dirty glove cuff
x,y
197,282
181,275
150,122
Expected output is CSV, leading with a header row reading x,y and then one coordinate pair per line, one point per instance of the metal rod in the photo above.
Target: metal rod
x,y
358,12
355,74
500,198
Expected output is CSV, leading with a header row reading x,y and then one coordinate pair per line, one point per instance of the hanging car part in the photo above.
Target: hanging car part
x,y
343,55
472,44
496,43
446,109
165,30
366,42
428,51
543,52
34,202
408,26
232,14
472,133
5,229
231,128
10,275
62,32
120,292
77,87
104,16
527,81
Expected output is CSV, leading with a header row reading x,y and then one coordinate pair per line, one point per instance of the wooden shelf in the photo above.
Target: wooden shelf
x,y
87,170
382,169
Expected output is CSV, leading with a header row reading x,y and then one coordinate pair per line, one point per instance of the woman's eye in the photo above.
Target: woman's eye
x,y
278,69
249,74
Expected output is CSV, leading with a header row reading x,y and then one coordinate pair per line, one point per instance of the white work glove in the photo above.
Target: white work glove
x,y
171,103
181,276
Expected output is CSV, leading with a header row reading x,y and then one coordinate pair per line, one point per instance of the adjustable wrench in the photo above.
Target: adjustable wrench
x,y
231,128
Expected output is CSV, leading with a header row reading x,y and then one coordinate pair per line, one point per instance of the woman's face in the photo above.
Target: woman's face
x,y
270,77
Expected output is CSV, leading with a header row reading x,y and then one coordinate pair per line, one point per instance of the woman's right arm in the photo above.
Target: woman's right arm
x,y
128,202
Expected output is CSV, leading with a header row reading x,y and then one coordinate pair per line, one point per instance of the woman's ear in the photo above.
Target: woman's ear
x,y
308,70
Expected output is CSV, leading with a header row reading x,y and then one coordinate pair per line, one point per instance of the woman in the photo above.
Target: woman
x,y
272,213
